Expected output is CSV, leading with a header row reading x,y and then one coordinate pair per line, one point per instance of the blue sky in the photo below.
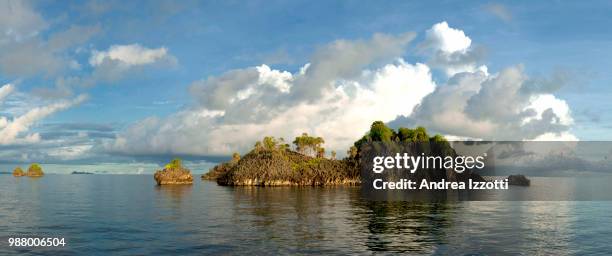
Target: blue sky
x,y
548,42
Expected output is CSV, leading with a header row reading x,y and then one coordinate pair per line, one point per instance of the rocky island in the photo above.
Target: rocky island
x,y
272,162
173,174
35,171
18,172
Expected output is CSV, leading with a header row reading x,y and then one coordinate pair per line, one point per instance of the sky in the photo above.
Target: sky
x,y
122,86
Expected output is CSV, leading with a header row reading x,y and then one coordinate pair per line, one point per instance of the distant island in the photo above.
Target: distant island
x,y
272,162
78,172
173,174
518,180
33,171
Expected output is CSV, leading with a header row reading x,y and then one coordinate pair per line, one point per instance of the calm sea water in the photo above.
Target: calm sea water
x,y
129,214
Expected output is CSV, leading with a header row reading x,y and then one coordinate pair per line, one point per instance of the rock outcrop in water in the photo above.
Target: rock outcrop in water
x,y
18,172
173,174
518,180
272,163
35,171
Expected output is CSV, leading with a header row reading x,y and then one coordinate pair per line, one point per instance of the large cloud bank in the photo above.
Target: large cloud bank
x,y
346,86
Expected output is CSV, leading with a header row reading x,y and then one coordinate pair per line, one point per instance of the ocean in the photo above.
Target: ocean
x,y
130,215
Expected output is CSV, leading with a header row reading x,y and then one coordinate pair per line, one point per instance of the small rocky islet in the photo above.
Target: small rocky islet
x,y
33,171
18,172
174,173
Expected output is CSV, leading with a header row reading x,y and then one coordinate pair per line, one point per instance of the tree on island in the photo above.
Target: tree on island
x,y
310,146
412,135
320,152
235,157
270,143
305,145
176,163
352,152
173,173
380,132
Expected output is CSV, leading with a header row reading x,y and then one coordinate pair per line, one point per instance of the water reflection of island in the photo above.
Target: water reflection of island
x,y
406,226
333,219
174,194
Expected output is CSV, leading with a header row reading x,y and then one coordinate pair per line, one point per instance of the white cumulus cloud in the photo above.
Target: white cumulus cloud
x,y
542,102
451,50
492,107
447,39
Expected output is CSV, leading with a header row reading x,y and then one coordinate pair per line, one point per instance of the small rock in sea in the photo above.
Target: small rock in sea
x,y
18,172
35,171
173,174
518,180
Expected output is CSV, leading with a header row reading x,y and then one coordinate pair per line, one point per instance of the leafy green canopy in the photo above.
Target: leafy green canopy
x,y
176,163
35,167
379,131
271,144
309,145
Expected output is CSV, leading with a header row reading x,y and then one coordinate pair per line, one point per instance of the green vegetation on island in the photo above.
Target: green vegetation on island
x,y
413,142
173,174
379,132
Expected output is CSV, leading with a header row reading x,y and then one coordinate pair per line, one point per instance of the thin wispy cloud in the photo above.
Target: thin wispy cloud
x,y
500,11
